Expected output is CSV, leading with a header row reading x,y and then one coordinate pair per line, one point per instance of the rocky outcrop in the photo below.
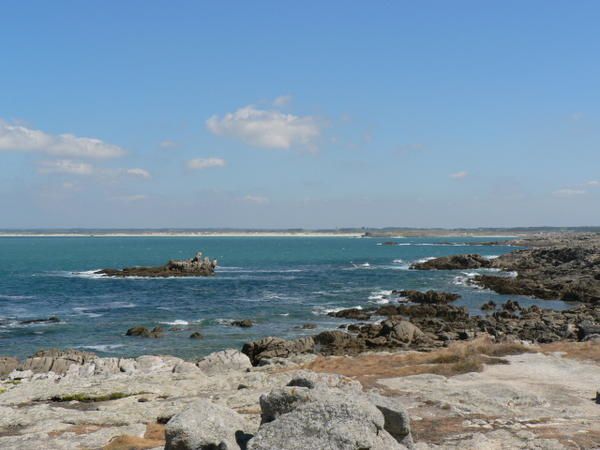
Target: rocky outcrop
x,y
140,331
565,267
351,313
245,323
454,262
205,426
224,361
57,361
312,414
274,347
196,266
429,297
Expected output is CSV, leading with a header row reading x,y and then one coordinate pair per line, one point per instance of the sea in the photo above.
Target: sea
x,y
280,283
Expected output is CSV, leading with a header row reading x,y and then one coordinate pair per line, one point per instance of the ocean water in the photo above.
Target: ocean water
x,y
280,283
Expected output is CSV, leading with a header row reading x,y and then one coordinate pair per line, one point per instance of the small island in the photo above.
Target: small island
x,y
194,267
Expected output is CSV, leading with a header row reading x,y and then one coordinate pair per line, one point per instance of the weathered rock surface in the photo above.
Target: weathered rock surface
x,y
196,266
57,361
311,414
140,331
223,361
7,365
205,425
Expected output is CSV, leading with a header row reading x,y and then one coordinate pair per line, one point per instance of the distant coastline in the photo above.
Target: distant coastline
x,y
390,232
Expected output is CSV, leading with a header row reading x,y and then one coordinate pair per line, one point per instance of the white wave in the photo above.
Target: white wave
x,y
224,321
380,297
424,260
92,310
321,311
176,322
15,297
284,314
102,347
512,274
89,274
491,256
398,261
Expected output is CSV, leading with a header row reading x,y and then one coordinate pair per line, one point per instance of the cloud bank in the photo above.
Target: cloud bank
x,y
269,129
22,139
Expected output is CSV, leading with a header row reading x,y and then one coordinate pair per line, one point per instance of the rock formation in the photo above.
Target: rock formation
x,y
196,266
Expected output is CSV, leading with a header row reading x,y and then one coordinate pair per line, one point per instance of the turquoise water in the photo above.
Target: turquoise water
x,y
281,283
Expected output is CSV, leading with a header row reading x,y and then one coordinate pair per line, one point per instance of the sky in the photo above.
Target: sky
x,y
190,114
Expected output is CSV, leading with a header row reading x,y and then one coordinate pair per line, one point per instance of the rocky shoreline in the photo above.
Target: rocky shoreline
x,y
368,384
556,267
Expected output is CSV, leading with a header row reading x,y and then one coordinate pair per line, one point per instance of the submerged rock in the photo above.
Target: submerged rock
x,y
246,323
140,331
196,266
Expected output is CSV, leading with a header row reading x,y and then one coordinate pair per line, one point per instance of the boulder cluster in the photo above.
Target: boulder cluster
x,y
428,325
313,411
556,268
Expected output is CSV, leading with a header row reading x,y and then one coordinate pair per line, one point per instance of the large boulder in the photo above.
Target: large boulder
x,y
338,342
274,347
325,420
219,362
401,330
397,421
57,361
206,426
325,411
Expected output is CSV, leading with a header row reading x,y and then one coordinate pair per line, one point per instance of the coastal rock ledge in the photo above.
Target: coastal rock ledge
x,y
194,267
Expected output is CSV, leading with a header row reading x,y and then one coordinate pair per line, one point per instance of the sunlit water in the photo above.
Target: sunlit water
x,y
280,283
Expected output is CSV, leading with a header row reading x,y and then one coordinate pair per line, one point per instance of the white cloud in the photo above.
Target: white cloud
x,y
137,172
256,199
593,183
569,192
459,175
20,138
205,163
168,144
282,100
266,129
66,166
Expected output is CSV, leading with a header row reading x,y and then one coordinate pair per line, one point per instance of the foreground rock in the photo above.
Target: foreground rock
x,y
206,425
312,414
196,266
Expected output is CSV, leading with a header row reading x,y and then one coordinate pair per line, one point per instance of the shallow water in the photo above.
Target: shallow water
x,y
281,283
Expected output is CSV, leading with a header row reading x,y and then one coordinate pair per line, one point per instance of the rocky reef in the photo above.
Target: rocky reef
x,y
194,267
556,267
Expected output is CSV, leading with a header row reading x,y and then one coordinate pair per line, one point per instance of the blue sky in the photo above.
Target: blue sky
x,y
305,114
